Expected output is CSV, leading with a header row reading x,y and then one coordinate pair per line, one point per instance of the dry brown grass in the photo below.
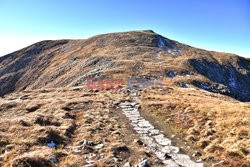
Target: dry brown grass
x,y
215,124
67,117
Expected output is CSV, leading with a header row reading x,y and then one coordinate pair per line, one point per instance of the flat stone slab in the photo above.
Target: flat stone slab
x,y
162,140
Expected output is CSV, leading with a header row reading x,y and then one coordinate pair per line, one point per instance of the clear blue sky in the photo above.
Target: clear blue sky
x,y
222,25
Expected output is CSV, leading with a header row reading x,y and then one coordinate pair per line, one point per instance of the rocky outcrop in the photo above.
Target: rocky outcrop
x,y
234,77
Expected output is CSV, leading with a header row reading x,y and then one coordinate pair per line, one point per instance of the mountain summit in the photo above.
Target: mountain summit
x,y
52,64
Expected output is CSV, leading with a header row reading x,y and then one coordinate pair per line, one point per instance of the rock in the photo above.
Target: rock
x,y
89,143
102,155
208,123
99,146
9,147
160,139
126,164
139,142
218,164
170,149
144,163
184,160
116,102
183,85
89,156
53,159
83,144
196,154
77,149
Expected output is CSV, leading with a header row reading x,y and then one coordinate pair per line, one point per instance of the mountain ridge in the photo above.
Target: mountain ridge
x,y
111,54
